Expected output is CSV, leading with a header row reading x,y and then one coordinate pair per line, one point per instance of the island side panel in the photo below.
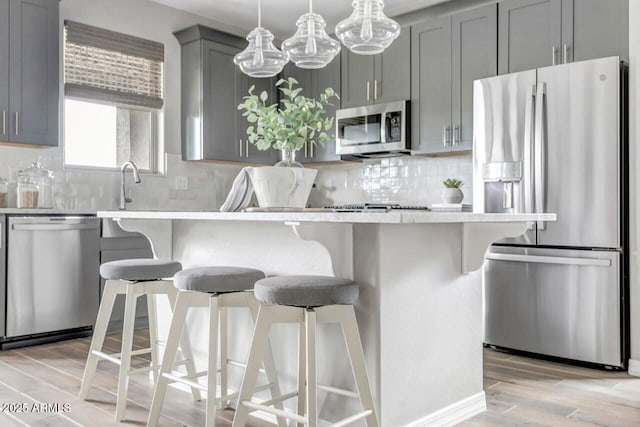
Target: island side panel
x,y
430,320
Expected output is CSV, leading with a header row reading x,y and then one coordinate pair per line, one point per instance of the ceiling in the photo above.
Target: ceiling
x,y
280,16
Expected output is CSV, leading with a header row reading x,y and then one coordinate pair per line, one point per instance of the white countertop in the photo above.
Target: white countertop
x,y
16,211
393,217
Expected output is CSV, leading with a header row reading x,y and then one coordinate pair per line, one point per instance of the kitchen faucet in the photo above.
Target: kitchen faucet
x,y
136,176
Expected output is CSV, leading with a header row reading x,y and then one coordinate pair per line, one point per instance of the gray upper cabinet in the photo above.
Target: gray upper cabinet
x,y
29,48
357,77
379,78
212,86
538,33
431,85
448,54
530,34
475,56
4,70
599,29
313,83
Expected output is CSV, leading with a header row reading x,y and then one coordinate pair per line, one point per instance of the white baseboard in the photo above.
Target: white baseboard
x,y
634,367
453,414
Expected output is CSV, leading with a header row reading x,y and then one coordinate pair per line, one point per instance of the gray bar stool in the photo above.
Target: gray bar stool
x,y
215,288
132,278
306,300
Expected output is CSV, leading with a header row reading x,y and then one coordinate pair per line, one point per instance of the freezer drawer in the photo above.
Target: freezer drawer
x,y
563,303
52,274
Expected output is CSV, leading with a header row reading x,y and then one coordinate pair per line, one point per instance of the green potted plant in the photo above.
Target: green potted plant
x,y
286,125
290,123
452,192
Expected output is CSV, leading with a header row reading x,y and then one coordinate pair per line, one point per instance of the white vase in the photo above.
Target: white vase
x,y
452,195
282,187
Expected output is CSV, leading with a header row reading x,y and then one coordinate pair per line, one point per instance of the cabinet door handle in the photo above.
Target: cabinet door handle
x,y
17,123
312,151
306,150
554,53
445,135
240,144
368,90
4,122
456,135
565,53
246,148
375,89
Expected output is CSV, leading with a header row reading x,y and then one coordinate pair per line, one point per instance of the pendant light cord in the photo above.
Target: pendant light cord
x,y
259,13
310,6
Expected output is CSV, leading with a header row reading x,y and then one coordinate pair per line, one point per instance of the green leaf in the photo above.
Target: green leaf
x,y
252,118
264,96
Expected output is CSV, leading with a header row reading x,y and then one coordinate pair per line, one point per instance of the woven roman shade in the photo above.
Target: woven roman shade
x,y
107,66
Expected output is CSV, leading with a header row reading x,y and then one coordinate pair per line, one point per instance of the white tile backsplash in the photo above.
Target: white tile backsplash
x,y
405,180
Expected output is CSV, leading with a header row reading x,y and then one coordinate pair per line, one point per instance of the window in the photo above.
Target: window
x,y
113,92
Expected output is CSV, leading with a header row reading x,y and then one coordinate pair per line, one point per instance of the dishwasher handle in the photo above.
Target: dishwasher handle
x,y
53,227
540,259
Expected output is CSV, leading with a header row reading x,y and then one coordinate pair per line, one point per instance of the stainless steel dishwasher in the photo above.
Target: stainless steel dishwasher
x,y
52,278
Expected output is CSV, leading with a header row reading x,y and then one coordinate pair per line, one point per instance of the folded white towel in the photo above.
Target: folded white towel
x,y
240,195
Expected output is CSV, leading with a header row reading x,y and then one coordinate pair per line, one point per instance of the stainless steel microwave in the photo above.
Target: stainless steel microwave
x,y
373,130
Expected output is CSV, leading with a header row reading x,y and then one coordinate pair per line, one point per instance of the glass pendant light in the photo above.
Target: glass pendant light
x,y
310,46
368,30
261,58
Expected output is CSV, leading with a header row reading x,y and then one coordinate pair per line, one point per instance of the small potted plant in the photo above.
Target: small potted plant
x,y
287,126
452,192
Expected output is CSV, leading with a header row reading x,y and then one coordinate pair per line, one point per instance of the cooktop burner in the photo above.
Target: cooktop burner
x,y
375,207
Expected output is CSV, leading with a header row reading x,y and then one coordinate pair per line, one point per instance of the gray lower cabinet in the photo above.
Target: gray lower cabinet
x,y
379,78
212,87
29,71
448,54
314,82
539,33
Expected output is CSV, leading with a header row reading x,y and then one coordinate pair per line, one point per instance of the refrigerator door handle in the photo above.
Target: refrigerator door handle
x,y
539,150
529,117
540,259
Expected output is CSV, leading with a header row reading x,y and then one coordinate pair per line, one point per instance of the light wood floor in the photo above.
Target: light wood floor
x,y
520,392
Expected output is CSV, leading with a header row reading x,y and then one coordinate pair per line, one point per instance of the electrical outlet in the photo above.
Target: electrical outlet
x,y
182,183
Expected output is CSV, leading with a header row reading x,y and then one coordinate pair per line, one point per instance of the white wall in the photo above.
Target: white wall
x,y
634,177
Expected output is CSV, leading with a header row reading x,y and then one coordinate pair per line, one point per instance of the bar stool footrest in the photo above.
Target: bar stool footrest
x,y
353,418
277,412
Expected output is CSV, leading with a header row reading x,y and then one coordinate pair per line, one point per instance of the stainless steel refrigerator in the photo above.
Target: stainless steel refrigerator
x,y
555,140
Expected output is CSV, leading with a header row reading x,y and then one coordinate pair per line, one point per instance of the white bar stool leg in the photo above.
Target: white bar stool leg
x,y
99,334
127,344
268,363
310,389
302,371
223,331
185,347
358,364
153,335
259,343
175,331
213,359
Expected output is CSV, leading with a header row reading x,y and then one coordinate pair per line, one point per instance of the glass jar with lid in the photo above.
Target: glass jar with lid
x,y
26,193
4,192
43,180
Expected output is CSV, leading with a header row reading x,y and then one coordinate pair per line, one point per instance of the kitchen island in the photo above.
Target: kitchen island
x,y
420,305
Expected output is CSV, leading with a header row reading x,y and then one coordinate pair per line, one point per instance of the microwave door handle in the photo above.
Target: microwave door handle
x,y
539,151
527,172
